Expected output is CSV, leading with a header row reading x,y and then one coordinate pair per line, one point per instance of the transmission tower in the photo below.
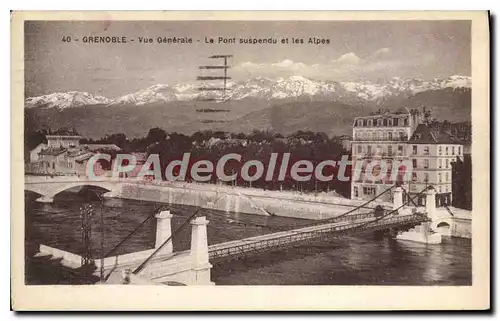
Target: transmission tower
x,y
86,212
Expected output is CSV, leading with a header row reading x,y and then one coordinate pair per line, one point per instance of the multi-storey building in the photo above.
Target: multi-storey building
x,y
432,154
403,140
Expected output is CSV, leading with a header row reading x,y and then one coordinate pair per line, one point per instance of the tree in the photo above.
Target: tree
x,y
156,135
119,139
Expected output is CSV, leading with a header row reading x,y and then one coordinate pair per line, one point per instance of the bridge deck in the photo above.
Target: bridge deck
x,y
274,241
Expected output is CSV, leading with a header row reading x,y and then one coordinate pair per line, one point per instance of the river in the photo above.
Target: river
x,y
354,260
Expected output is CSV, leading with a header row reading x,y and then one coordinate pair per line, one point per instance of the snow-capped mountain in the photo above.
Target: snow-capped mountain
x,y
65,100
261,88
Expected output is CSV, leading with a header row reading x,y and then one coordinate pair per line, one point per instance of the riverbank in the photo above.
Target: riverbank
x,y
246,200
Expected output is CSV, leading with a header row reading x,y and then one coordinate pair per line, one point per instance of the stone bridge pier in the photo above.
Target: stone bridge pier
x,y
429,232
191,267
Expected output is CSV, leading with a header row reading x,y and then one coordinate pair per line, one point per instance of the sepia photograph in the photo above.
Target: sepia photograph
x,y
247,152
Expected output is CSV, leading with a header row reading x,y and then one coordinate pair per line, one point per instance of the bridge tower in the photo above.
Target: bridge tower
x,y
430,203
164,231
199,251
398,198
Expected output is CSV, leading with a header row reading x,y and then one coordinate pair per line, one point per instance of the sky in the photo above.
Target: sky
x,y
357,50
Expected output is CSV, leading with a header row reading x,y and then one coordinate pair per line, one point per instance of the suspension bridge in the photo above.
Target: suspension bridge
x,y
162,264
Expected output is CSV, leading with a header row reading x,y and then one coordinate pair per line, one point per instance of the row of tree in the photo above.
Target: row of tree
x,y
212,145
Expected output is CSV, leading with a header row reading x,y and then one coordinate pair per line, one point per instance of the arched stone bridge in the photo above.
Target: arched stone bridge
x,y
48,186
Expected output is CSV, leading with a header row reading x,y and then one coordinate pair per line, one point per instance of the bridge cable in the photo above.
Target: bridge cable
x,y
127,238
131,233
146,261
408,195
394,210
333,219
242,222
358,207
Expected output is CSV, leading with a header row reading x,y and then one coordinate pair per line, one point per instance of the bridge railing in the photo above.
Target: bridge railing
x,y
279,241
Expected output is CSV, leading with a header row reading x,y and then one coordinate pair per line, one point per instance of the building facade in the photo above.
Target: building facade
x,y
432,154
401,140
63,155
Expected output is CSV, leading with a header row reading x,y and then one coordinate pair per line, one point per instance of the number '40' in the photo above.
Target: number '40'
x,y
66,39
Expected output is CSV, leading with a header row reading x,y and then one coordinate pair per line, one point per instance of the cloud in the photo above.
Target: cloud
x,y
346,66
380,53
349,58
284,67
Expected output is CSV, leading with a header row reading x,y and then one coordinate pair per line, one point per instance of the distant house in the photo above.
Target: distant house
x,y
63,155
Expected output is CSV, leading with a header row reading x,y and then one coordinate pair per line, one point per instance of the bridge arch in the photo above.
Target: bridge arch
x,y
49,190
444,226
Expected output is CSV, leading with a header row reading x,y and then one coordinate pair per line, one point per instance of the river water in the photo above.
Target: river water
x,y
356,260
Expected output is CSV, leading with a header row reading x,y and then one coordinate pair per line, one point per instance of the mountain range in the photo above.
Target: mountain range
x,y
284,105
293,87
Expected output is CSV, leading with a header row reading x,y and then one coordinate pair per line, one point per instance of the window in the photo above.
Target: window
x,y
426,163
369,190
389,150
360,149
447,163
453,150
369,150
440,179
459,150
414,176
401,136
426,150
394,121
370,123
414,163
379,122
390,121
360,122
415,149
400,149
439,189
405,121
446,150
356,192
440,150
447,175
440,163
426,177
385,122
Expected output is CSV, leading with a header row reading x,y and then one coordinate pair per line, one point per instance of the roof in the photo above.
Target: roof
x,y
41,145
424,135
53,151
83,157
71,137
96,147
